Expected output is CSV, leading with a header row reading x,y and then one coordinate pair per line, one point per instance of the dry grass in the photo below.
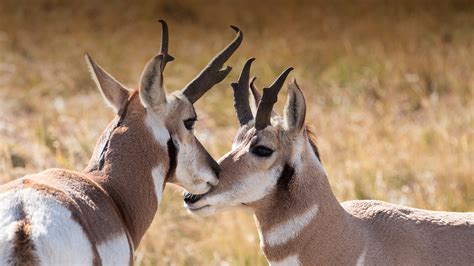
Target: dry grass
x,y
390,89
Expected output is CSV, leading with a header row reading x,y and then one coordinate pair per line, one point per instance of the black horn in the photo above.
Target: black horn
x,y
213,72
164,43
241,95
269,98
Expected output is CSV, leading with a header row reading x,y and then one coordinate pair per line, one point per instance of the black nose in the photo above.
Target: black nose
x,y
191,198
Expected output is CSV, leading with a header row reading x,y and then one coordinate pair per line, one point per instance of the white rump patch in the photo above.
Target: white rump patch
x,y
288,261
58,239
290,229
158,129
115,251
158,173
9,216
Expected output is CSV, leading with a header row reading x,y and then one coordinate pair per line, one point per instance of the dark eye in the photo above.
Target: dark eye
x,y
189,123
262,151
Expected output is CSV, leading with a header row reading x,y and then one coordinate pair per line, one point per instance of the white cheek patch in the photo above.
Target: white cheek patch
x,y
58,239
157,127
191,174
158,173
291,228
115,251
288,261
250,189
255,187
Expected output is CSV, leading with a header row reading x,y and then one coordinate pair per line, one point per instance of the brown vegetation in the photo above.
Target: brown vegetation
x,y
389,87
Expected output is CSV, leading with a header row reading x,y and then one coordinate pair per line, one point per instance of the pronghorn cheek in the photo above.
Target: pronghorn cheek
x,y
157,127
158,173
257,186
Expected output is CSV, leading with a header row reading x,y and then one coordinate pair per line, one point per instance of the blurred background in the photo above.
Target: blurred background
x,y
389,87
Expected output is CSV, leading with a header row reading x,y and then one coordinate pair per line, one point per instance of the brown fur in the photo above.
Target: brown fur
x,y
131,188
388,233
119,199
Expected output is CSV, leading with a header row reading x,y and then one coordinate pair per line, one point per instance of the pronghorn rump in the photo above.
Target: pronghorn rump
x,y
60,217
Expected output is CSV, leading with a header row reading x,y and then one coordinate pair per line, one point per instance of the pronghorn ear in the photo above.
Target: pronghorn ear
x,y
295,109
115,94
152,91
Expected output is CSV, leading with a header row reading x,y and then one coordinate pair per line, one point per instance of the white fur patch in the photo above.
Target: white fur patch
x,y
250,189
58,239
158,129
9,215
158,173
288,261
115,251
361,259
192,173
290,229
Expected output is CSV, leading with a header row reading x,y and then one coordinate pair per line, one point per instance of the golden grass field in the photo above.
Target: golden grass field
x,y
389,88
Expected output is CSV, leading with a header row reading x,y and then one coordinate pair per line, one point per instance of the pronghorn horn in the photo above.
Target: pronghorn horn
x,y
151,83
269,98
254,96
241,95
164,43
213,72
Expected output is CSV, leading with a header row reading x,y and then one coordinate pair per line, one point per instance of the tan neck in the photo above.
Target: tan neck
x,y
125,171
307,209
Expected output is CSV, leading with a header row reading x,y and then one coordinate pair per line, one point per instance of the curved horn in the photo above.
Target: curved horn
x,y
269,98
151,85
241,95
164,43
213,72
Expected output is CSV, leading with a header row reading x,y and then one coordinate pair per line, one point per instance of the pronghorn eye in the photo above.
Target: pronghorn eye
x,y
262,151
189,123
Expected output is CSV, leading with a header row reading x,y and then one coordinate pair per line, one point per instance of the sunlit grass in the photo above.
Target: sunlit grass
x,y
389,87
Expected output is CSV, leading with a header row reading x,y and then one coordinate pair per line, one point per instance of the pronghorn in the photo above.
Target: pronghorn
x,y
98,216
274,170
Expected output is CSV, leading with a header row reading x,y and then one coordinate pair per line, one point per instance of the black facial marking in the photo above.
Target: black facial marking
x,y
214,165
173,156
285,178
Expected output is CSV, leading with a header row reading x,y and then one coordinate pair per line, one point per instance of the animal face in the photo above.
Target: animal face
x,y
260,167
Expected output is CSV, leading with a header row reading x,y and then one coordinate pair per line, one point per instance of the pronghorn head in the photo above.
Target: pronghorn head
x,y
168,118
266,152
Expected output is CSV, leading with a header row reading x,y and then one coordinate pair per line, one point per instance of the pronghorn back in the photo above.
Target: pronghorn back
x,y
407,235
